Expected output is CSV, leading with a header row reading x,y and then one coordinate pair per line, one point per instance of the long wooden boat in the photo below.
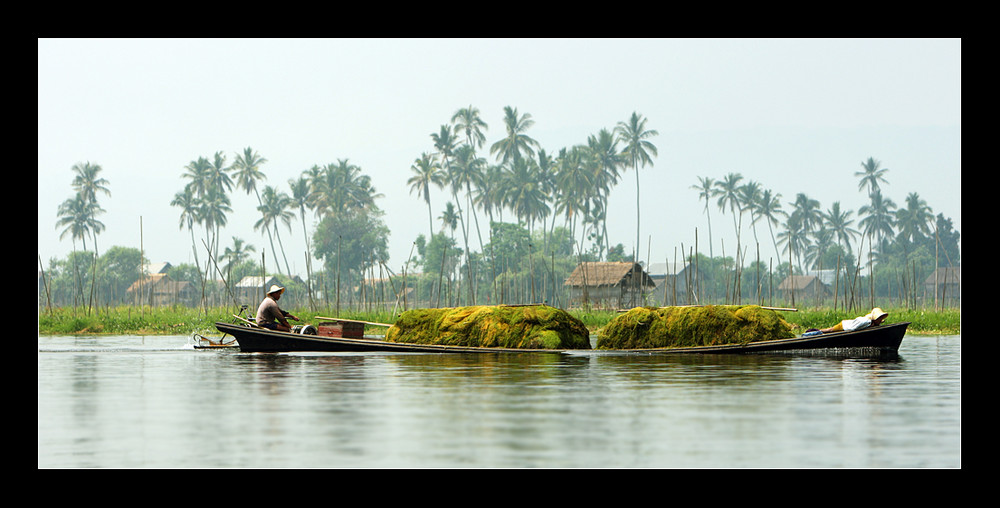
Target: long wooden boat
x,y
878,341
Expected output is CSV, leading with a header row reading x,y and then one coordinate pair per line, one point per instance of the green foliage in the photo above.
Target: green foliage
x,y
355,235
520,327
440,248
178,320
509,246
652,327
126,320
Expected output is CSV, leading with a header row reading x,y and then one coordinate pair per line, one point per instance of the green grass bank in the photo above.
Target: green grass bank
x,y
129,320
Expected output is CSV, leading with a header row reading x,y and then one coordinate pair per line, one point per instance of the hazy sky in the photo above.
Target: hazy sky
x,y
794,115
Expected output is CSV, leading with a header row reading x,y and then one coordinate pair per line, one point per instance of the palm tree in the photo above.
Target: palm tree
x,y
426,172
209,183
237,255
446,144
466,170
795,237
190,209
878,220
313,175
467,121
214,206
727,190
769,208
573,185
200,173
839,223
915,220
635,136
808,210
871,175
749,195
341,186
274,207
525,196
604,152
449,218
76,214
823,241
301,198
246,171
804,219
511,147
545,172
706,192
487,193
219,173
87,183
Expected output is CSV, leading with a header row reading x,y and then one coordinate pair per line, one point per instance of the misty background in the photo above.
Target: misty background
x,y
796,116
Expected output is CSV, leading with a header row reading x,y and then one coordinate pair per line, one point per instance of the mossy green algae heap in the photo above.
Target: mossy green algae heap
x,y
518,327
708,325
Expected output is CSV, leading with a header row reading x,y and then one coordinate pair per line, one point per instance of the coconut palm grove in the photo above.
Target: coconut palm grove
x,y
516,219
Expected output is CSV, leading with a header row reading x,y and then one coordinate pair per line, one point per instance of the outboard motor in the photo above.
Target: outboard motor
x,y
304,329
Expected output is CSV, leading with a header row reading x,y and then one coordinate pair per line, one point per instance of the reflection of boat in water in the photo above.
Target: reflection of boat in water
x,y
330,327
880,341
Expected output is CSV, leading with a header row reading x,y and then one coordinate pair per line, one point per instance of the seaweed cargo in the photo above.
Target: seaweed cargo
x,y
709,325
516,327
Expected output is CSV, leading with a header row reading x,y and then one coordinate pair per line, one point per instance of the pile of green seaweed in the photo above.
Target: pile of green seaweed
x,y
519,327
708,325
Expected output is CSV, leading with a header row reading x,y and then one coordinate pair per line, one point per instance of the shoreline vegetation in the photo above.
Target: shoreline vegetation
x,y
179,320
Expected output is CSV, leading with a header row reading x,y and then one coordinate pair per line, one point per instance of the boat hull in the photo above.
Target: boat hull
x,y
880,341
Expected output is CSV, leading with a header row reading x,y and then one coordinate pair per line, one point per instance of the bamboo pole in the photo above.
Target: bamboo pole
x,y
48,295
339,240
142,272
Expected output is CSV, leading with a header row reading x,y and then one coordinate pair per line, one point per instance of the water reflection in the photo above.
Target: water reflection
x,y
123,403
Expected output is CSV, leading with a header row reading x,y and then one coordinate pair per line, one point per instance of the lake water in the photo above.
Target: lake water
x,y
154,402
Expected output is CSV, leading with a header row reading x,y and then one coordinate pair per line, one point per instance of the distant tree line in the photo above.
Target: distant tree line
x,y
532,213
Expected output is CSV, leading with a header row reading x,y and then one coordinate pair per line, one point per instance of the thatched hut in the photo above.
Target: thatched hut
x,y
614,285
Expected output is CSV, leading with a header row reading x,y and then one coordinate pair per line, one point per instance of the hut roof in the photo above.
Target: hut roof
x,y
826,276
663,269
605,274
945,275
156,268
154,279
798,282
256,281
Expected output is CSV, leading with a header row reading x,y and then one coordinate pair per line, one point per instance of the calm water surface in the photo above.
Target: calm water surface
x,y
154,402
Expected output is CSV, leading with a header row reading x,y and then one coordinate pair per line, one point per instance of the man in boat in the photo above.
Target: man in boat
x,y
269,315
873,318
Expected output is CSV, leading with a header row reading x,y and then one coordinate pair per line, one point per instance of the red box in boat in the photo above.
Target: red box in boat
x,y
347,329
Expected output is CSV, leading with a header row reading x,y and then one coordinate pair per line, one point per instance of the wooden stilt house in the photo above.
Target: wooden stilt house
x,y
944,286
